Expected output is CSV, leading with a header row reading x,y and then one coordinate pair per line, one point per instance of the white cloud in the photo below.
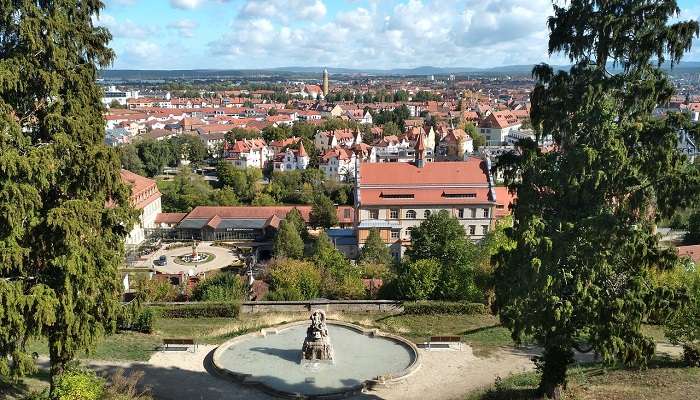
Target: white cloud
x,y
184,27
186,4
411,33
284,10
124,29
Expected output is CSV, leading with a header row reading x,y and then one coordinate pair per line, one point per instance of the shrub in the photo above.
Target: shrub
x,y
201,310
419,279
294,280
79,384
144,321
156,290
224,286
691,354
443,307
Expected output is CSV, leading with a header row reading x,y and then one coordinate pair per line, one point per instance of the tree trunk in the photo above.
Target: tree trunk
x,y
57,367
553,364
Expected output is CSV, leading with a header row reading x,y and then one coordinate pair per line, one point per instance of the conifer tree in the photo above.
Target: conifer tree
x,y
585,211
375,250
288,243
63,207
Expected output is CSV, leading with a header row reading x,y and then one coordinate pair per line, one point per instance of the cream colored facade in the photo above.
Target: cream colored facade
x,y
477,221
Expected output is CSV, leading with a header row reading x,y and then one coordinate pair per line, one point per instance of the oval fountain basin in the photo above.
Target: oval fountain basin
x,y
272,360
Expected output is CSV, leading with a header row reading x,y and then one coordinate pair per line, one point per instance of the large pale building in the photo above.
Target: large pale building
x,y
145,197
396,197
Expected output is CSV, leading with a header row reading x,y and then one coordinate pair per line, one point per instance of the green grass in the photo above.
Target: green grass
x,y
663,380
11,390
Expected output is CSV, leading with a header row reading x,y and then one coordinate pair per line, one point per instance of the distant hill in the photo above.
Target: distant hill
x,y
306,72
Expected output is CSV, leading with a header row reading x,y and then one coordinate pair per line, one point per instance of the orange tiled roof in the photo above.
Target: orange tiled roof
x,y
472,171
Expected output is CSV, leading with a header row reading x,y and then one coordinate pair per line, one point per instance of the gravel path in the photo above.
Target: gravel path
x,y
444,374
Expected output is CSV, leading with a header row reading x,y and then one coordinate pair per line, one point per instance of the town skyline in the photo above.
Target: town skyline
x,y
358,34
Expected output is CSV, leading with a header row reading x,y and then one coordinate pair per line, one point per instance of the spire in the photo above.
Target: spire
x,y
420,151
358,136
325,82
302,150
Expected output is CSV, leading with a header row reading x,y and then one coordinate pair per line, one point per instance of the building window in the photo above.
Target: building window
x,y
408,231
346,213
411,214
486,212
473,210
374,214
460,213
426,214
395,233
394,213
472,229
484,229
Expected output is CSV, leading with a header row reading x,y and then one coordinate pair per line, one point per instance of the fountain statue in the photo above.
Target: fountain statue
x,y
194,250
317,344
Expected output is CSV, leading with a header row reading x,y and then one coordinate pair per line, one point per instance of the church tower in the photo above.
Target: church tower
x,y
325,82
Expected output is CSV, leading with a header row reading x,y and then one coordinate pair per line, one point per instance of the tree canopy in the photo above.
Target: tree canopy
x,y
585,212
375,250
64,211
442,238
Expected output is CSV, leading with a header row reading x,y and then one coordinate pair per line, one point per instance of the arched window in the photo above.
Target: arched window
x,y
410,214
426,214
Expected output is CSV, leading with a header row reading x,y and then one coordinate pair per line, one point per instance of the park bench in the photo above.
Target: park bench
x,y
178,342
444,341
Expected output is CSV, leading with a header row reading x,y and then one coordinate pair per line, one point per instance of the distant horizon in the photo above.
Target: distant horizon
x,y
355,34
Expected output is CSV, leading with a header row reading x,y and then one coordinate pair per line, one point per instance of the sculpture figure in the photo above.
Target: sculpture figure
x,y
317,344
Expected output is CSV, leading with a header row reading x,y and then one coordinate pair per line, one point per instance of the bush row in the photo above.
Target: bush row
x,y
443,307
136,319
201,310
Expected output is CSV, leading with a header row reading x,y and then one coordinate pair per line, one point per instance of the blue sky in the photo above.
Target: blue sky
x,y
234,34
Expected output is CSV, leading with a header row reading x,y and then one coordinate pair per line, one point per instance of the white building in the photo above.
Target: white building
x,y
121,96
145,197
290,159
338,164
497,125
248,153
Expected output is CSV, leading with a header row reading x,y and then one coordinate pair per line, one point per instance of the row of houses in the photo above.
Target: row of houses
x,y
392,198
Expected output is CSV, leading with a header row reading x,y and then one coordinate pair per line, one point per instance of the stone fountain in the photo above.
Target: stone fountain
x,y
317,345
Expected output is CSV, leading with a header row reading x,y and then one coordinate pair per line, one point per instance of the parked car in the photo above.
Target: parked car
x,y
161,261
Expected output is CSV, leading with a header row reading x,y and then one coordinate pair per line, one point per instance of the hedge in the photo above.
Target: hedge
x,y
201,310
443,307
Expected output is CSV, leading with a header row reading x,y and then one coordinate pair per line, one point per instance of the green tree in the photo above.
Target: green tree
x,y
294,217
294,280
375,250
693,234
288,243
155,155
130,159
189,148
65,211
584,219
418,279
339,278
391,129
478,139
323,212
223,286
441,237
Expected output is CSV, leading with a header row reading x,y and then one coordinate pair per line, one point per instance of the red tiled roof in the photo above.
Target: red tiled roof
x,y
246,212
471,171
169,218
143,190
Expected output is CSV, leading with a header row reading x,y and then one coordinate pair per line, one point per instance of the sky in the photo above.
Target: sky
x,y
249,34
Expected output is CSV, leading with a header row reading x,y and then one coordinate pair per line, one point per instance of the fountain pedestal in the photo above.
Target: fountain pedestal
x,y
317,345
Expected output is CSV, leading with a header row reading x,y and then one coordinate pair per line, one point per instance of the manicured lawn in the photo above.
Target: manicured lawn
x,y
663,380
